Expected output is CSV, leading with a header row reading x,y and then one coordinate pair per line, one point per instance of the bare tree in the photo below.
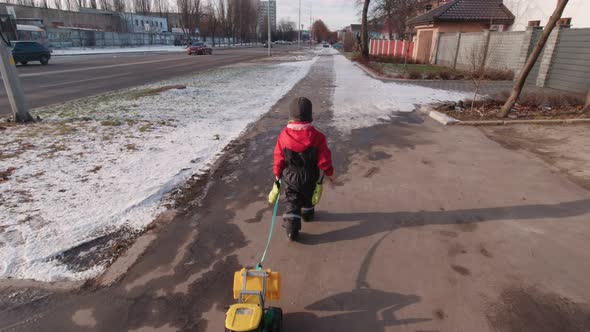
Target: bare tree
x,y
190,15
212,23
142,6
476,58
222,17
587,105
80,3
394,14
118,5
365,30
524,73
105,5
57,4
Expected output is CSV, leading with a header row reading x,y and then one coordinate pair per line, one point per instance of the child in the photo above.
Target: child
x,y
301,152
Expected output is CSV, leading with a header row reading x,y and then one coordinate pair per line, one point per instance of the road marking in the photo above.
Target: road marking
x,y
80,81
98,67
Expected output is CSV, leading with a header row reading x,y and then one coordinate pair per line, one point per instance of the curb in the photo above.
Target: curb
x,y
447,120
517,122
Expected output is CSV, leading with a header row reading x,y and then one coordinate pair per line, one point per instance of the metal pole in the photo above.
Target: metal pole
x,y
269,41
299,27
310,27
14,90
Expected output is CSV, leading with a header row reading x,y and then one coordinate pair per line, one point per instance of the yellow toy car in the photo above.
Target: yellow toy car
x,y
252,288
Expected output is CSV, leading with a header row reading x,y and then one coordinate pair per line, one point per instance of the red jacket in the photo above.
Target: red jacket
x,y
298,137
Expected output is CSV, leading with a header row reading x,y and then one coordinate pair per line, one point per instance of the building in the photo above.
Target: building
x,y
144,23
457,16
355,29
263,15
55,18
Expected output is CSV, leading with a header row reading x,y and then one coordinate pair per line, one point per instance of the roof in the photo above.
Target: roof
x,y
467,11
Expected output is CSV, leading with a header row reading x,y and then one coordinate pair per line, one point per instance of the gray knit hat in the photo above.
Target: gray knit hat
x,y
300,110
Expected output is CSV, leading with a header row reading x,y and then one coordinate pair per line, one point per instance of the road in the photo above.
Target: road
x,y
427,228
72,77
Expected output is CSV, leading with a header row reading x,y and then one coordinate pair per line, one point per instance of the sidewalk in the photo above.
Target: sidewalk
x,y
426,229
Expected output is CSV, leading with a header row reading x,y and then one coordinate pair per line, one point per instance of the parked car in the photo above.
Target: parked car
x,y
199,48
24,52
326,45
265,45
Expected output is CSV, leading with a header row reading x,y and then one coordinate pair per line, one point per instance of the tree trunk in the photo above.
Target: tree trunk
x,y
365,31
524,73
587,106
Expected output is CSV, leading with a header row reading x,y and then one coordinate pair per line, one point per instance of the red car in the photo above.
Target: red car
x,y
199,48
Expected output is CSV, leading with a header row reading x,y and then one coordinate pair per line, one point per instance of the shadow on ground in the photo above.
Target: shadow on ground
x,y
371,223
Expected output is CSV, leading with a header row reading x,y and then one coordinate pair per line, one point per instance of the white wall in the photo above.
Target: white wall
x,y
531,10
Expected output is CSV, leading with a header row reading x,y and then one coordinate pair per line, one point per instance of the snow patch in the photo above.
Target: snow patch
x,y
109,50
101,164
361,101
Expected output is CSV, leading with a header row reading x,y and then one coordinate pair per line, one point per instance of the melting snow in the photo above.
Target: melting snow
x,y
99,165
361,101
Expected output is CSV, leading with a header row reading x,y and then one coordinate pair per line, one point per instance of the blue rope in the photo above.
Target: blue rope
x,y
272,227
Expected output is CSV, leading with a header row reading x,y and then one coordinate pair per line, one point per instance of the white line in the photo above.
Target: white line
x,y
80,81
98,67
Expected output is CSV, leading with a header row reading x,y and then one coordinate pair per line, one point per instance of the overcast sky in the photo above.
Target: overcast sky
x,y
340,13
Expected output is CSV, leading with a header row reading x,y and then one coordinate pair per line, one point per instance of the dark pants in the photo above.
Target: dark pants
x,y
300,176
298,205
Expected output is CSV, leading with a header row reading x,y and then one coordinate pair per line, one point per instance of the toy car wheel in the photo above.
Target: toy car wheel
x,y
278,320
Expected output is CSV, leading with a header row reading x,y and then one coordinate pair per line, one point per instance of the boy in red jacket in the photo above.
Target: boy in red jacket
x,y
301,152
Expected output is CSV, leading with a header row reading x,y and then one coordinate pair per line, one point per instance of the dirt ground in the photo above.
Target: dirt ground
x,y
565,147
427,228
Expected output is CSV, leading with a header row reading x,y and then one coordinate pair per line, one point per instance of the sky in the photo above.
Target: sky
x,y
338,14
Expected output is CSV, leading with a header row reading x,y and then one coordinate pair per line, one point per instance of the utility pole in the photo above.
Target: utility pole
x,y
268,19
299,27
310,19
14,90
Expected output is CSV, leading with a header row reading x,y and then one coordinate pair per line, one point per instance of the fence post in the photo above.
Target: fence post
x,y
547,58
486,46
436,48
395,48
525,48
457,50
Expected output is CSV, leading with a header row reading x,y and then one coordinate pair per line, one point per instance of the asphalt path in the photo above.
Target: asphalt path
x,y
72,77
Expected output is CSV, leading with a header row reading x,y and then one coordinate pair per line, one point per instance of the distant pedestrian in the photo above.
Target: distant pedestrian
x,y
300,153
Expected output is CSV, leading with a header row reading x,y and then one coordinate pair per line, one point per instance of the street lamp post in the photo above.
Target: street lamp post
x,y
299,27
268,27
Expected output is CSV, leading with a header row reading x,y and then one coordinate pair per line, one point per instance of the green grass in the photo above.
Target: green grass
x,y
350,55
398,68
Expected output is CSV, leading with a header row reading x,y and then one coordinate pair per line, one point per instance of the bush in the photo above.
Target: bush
x,y
538,99
414,75
498,75
445,75
390,59
431,76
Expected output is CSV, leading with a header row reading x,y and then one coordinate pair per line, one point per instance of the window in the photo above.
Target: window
x,y
141,22
136,22
161,25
